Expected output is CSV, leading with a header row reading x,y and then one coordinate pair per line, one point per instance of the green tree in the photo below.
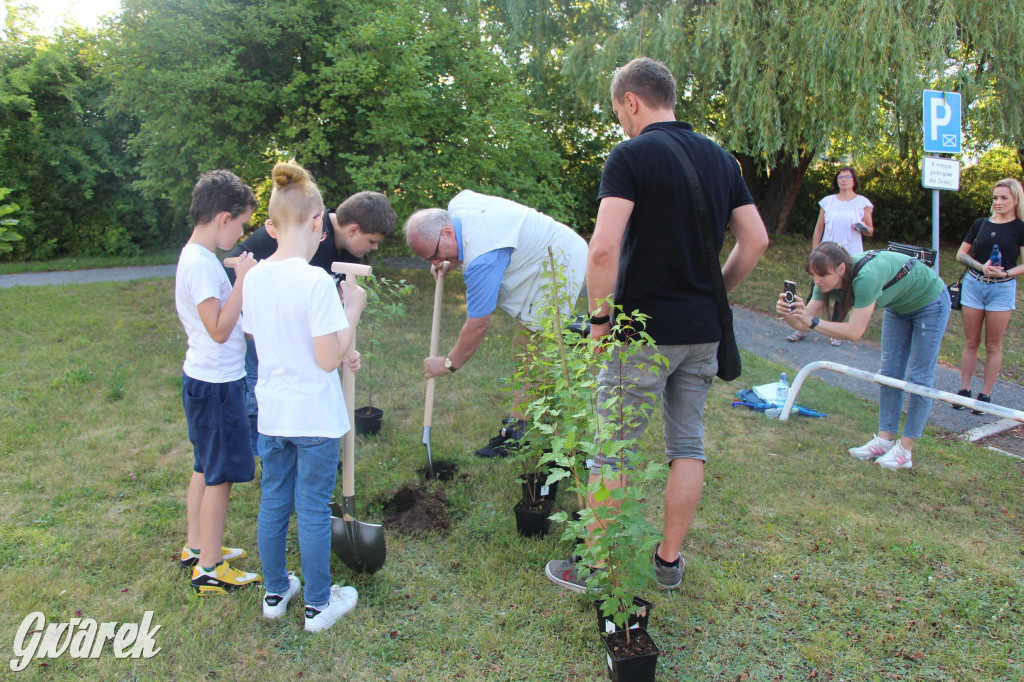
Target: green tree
x,y
402,97
779,83
60,152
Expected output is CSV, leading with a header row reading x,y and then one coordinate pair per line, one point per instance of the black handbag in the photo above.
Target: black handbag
x,y
922,253
730,365
954,292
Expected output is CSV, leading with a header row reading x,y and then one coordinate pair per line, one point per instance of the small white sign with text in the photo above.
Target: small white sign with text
x,y
939,173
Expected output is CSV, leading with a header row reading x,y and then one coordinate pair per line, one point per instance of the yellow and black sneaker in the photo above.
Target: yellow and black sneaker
x,y
190,557
221,579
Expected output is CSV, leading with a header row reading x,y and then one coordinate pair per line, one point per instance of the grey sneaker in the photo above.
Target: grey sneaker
x,y
569,574
669,577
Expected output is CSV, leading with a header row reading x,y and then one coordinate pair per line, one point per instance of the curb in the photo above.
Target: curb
x,y
986,430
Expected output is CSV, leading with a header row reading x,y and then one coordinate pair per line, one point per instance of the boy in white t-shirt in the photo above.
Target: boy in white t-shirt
x,y
302,335
213,377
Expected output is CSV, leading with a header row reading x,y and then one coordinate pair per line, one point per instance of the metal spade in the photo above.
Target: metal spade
x,y
360,545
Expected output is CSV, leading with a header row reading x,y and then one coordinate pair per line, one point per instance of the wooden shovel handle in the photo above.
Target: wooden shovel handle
x,y
354,269
348,387
435,333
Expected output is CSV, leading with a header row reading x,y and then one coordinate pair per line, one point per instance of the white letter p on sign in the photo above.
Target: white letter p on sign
x,y
939,120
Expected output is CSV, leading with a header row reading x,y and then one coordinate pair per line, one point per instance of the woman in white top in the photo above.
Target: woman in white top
x,y
844,218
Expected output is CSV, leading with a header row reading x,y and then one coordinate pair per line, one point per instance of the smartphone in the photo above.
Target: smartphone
x,y
789,291
861,227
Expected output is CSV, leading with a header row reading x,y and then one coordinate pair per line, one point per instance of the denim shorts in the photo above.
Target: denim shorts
x,y
218,427
991,296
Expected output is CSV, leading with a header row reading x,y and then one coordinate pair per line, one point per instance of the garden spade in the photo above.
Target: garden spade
x,y
360,545
428,409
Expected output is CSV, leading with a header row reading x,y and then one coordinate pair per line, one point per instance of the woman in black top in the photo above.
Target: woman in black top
x,y
989,291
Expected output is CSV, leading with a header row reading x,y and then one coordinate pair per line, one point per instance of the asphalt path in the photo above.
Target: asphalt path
x,y
758,333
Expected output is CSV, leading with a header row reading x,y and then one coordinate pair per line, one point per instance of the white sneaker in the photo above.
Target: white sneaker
x,y
274,605
898,457
343,600
874,448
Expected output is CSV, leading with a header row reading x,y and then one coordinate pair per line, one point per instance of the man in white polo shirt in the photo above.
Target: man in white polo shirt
x,y
501,247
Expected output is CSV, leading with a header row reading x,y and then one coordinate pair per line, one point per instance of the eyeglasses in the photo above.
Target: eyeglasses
x,y
844,177
437,249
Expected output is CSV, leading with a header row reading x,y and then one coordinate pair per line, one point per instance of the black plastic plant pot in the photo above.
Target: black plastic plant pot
x,y
368,420
532,518
534,487
635,662
605,624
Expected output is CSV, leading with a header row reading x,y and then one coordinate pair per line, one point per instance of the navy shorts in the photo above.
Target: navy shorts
x,y
218,426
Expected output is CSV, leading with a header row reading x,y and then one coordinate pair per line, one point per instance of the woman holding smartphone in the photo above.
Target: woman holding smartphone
x,y
844,218
916,312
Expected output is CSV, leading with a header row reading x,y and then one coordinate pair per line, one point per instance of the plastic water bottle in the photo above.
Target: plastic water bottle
x,y
782,391
997,256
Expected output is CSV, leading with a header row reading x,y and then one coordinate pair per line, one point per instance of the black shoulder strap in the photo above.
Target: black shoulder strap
x,y
704,226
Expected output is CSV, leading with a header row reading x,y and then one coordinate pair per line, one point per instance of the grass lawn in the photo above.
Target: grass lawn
x,y
802,564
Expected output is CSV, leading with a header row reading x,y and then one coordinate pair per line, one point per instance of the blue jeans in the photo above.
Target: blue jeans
x,y
298,473
910,351
252,368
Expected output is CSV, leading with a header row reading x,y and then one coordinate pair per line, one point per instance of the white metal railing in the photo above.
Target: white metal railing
x,y
934,394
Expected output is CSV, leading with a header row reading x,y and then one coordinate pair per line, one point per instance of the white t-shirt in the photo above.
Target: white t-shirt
x,y
199,277
839,219
285,304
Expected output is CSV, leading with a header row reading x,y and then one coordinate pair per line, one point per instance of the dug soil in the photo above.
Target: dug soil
x,y
443,470
413,509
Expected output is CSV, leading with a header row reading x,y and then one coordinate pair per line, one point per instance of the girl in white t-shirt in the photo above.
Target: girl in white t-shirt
x,y
302,335
844,218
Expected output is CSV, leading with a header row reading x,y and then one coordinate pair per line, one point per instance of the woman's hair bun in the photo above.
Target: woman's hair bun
x,y
286,174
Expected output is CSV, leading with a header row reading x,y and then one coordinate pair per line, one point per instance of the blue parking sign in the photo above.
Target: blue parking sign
x,y
942,133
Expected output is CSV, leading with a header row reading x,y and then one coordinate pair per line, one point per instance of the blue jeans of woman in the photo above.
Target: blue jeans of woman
x,y
910,351
300,474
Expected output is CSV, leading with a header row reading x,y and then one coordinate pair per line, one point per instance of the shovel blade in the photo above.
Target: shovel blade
x,y
360,545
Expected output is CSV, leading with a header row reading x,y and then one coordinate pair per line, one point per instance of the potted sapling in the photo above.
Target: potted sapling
x,y
612,533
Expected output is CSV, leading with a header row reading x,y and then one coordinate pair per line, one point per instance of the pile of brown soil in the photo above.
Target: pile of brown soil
x,y
413,509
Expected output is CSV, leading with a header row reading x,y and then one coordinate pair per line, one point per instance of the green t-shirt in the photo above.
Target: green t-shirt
x,y
917,289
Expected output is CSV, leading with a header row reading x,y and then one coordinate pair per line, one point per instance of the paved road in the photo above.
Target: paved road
x,y
758,333
30,279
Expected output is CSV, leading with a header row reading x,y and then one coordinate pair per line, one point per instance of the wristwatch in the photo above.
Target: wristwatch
x,y
448,365
604,319
814,322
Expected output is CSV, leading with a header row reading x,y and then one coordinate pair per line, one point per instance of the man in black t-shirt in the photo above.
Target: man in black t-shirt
x,y
647,251
356,228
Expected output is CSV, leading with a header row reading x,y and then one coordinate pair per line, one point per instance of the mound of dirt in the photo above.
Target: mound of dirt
x,y
413,509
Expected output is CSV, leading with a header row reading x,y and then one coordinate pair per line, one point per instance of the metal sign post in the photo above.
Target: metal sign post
x,y
942,135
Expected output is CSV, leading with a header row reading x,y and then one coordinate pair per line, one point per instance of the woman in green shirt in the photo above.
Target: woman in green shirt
x,y
916,312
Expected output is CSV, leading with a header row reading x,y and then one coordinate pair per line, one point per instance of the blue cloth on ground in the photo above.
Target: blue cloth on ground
x,y
748,398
